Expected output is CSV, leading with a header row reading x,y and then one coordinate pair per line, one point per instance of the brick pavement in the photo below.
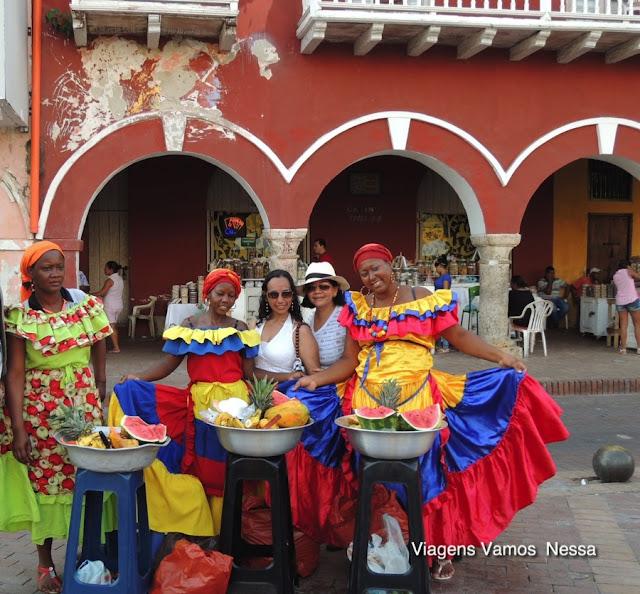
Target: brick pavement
x,y
604,515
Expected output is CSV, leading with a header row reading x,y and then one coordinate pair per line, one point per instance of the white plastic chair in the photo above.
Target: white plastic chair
x,y
143,312
539,311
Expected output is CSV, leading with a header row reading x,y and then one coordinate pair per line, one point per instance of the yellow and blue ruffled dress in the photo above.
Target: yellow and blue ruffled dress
x,y
490,461
185,483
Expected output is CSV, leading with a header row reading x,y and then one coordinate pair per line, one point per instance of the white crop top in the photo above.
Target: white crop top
x,y
279,354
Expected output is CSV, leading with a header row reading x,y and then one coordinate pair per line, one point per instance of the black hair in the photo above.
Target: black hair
x,y
442,261
113,265
549,269
624,263
321,242
337,300
518,281
263,312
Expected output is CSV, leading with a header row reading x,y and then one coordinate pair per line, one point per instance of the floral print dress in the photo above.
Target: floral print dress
x,y
38,497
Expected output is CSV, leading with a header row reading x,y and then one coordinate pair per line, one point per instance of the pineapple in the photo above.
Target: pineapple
x,y
70,423
260,394
389,394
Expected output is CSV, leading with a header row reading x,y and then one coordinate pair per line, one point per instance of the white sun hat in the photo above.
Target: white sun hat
x,y
321,271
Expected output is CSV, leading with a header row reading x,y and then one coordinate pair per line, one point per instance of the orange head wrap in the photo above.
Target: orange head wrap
x,y
370,251
221,275
31,255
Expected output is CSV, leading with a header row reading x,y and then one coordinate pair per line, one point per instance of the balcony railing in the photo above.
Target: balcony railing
x,y
211,19
571,28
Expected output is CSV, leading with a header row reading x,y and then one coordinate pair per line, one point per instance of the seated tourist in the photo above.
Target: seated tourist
x,y
519,297
555,290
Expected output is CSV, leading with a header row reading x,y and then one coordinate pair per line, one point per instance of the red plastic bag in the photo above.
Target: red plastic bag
x,y
342,517
190,569
256,529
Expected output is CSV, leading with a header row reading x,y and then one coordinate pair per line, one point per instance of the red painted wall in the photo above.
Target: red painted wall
x,y
535,251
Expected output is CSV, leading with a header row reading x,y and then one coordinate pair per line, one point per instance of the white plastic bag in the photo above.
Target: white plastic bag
x,y
390,557
93,572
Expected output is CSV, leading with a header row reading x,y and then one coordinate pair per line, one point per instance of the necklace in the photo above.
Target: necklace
x,y
378,328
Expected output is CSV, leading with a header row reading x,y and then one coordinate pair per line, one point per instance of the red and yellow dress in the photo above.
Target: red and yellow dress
x,y
490,461
185,483
38,497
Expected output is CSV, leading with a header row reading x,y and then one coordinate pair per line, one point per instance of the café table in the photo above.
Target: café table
x,y
177,312
462,290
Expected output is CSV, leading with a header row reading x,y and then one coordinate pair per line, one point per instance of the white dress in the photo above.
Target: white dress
x,y
279,354
330,337
113,297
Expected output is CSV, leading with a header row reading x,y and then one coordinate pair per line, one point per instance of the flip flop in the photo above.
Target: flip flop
x,y
113,352
50,572
436,573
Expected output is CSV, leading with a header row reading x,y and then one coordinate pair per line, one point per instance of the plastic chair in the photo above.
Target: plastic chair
x,y
539,311
471,310
143,312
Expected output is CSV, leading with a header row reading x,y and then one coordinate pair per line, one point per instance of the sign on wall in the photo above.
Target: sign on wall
x,y
445,234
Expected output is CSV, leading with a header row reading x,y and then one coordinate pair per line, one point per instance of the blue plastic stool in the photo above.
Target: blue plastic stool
x,y
133,560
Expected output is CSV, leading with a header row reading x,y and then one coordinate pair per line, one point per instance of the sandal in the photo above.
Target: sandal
x,y
437,571
49,572
623,351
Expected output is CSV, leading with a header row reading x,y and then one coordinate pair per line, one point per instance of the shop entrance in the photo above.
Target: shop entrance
x,y
609,240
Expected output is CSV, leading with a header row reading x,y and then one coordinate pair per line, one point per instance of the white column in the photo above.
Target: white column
x,y
283,245
495,271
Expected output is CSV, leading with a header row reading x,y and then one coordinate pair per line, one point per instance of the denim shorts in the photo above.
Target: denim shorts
x,y
633,306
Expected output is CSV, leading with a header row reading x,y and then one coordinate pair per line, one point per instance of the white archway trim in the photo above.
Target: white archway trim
x,y
398,128
607,137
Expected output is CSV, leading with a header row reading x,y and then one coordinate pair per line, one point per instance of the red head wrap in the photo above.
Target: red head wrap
x,y
31,255
370,251
221,275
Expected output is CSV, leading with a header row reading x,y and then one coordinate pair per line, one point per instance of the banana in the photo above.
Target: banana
x,y
235,422
252,422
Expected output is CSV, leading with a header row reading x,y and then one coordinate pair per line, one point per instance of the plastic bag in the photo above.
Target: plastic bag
x,y
390,557
190,569
93,572
256,529
207,543
342,517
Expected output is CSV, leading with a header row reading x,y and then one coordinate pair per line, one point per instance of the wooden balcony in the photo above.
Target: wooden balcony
x,y
210,19
570,28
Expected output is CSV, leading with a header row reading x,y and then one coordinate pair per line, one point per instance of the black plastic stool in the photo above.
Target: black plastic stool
x,y
282,572
374,471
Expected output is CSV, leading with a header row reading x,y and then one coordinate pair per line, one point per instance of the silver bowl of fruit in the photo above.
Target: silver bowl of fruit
x,y
389,443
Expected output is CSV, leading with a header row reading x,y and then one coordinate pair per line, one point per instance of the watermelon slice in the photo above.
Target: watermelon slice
x,y
420,420
380,418
138,429
279,398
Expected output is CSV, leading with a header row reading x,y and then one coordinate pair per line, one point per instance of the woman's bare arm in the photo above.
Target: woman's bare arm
x,y
105,288
99,362
167,365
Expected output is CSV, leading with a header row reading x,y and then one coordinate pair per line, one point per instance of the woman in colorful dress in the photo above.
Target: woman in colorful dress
x,y
185,483
51,337
511,415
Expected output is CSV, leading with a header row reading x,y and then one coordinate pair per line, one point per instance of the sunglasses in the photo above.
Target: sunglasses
x,y
322,286
286,294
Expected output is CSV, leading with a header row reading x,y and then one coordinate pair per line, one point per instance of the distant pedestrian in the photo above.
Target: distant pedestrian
x,y
111,294
555,290
627,302
320,250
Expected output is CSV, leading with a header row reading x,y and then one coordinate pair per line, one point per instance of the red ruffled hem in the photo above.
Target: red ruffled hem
x,y
313,489
480,502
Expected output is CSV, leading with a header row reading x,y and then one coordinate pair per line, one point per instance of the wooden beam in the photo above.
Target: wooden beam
x,y
228,35
313,37
153,31
423,41
368,40
476,43
585,43
529,46
80,28
623,51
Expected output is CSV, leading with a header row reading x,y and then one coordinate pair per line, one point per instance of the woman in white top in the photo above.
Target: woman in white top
x,y
111,294
279,323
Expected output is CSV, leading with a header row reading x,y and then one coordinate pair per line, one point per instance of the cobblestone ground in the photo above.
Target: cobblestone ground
x,y
566,511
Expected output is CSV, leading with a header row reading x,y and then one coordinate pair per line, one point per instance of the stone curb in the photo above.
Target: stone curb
x,y
594,386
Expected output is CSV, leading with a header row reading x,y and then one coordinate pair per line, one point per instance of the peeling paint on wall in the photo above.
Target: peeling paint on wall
x,y
122,77
266,55
202,130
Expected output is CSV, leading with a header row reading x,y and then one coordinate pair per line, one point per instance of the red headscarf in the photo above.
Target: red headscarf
x,y
31,255
370,251
221,275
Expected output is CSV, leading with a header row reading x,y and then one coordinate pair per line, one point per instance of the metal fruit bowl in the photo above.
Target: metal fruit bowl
x,y
389,445
112,460
260,443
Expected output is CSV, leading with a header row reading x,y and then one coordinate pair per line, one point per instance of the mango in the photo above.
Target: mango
x,y
292,414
